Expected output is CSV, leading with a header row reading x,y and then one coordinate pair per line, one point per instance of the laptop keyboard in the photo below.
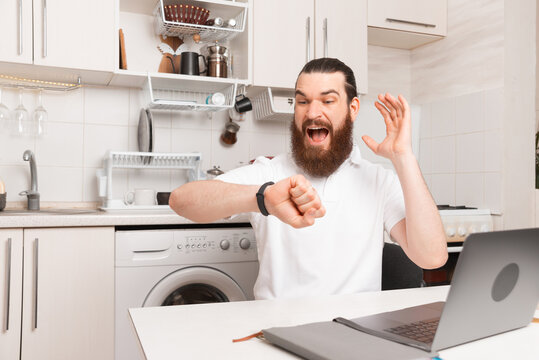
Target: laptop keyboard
x,y
422,331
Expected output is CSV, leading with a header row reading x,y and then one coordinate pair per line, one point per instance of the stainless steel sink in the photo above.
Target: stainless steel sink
x,y
16,212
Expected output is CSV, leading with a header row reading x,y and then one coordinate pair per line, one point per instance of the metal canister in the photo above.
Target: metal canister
x,y
217,61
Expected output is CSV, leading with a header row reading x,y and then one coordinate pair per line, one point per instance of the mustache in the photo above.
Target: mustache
x,y
315,122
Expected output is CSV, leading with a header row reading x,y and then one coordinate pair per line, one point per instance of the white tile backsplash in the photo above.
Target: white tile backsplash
x,y
443,155
425,155
65,106
443,117
51,149
493,194
470,189
426,121
16,179
266,144
98,139
108,106
60,183
472,157
469,114
443,188
493,150
470,152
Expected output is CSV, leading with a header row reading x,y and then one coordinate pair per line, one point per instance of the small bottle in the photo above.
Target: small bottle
x,y
218,21
231,23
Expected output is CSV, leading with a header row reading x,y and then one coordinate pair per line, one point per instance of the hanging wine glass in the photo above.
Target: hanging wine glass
x,y
5,114
40,117
21,119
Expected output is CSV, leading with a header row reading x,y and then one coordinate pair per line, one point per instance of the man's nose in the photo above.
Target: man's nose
x,y
315,110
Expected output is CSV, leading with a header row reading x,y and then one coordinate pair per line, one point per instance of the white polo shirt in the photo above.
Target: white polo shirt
x,y
342,252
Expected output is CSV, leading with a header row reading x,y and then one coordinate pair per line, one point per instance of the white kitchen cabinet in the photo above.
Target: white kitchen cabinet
x,y
68,302
406,24
340,30
10,292
77,34
288,34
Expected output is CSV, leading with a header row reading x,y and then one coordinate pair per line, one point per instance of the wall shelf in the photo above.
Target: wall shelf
x,y
225,10
169,94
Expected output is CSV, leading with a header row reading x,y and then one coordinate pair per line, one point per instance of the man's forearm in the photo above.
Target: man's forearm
x,y
425,236
210,200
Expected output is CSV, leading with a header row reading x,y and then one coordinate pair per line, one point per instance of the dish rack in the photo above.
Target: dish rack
x,y
164,94
264,107
229,10
142,160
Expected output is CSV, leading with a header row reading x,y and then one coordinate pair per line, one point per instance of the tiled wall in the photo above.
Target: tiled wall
x,y
461,149
85,123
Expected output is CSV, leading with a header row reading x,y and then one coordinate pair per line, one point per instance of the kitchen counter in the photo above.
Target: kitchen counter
x,y
99,218
206,331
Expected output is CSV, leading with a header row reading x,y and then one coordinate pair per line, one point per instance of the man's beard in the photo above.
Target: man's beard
x,y
319,162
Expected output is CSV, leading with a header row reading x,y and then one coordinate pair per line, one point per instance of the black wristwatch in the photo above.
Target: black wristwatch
x,y
260,198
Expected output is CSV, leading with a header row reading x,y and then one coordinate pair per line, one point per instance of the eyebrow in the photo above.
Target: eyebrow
x,y
327,92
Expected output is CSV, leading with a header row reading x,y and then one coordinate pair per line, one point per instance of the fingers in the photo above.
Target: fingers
x,y
395,108
371,143
307,219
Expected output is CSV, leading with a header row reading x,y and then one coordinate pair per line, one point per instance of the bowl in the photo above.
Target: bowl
x,y
189,14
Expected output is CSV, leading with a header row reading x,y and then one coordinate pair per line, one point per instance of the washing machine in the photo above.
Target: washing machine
x,y
160,267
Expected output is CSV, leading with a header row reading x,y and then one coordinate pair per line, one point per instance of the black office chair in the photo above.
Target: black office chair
x,y
398,271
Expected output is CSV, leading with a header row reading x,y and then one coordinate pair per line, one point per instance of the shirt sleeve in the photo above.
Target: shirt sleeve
x,y
394,210
257,173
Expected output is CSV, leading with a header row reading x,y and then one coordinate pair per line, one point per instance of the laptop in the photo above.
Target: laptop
x,y
495,288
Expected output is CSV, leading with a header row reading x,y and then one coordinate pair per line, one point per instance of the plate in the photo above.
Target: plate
x,y
145,134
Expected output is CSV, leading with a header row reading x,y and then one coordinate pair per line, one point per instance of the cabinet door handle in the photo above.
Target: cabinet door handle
x,y
20,27
8,284
44,28
308,28
410,22
325,27
36,257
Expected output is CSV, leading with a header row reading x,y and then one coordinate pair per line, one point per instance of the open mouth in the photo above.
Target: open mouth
x,y
317,133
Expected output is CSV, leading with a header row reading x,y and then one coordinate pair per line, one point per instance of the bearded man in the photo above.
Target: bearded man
x,y
319,213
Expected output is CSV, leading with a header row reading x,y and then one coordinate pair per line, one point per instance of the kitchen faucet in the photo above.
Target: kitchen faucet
x,y
32,194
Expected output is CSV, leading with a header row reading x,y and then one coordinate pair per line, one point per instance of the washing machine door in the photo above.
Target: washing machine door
x,y
194,285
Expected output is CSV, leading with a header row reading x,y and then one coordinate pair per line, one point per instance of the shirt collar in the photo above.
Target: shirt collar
x,y
355,155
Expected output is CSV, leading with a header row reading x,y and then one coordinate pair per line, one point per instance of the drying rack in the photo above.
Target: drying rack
x,y
264,107
167,93
142,160
225,9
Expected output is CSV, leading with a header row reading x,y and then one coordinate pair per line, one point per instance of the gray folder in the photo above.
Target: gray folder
x,y
331,340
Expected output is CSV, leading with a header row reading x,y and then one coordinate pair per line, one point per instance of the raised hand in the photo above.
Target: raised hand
x,y
398,140
294,201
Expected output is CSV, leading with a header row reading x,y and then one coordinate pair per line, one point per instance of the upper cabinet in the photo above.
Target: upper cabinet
x,y
406,24
287,34
341,33
77,34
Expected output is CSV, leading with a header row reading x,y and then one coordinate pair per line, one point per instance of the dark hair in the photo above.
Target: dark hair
x,y
331,65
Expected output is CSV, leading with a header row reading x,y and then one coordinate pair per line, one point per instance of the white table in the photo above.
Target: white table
x,y
206,331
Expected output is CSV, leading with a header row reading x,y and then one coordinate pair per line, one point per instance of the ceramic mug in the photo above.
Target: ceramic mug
x,y
140,197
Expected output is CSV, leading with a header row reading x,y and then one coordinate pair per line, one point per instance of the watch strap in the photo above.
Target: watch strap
x,y
260,198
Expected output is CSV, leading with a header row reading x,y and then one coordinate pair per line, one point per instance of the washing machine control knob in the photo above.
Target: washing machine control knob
x,y
225,244
245,244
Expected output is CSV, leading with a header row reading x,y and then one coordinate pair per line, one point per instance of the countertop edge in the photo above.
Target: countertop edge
x,y
102,219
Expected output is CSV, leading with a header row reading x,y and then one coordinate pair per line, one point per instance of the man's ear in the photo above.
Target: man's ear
x,y
354,108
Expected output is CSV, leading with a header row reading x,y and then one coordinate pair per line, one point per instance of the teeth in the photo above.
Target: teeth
x,y
318,128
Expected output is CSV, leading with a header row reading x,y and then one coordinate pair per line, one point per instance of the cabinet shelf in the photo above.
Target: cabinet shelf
x,y
223,9
169,94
